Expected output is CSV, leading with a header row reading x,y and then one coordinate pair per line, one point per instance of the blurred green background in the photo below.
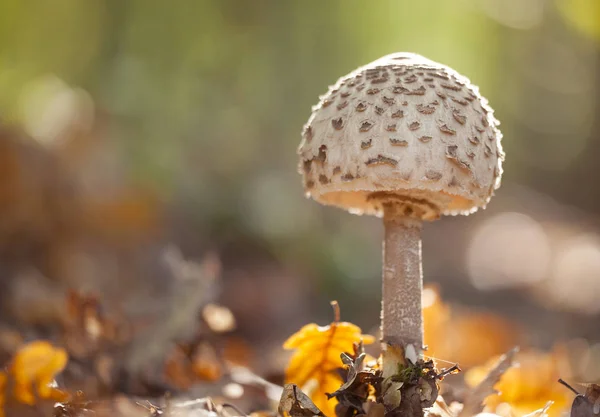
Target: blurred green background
x,y
132,125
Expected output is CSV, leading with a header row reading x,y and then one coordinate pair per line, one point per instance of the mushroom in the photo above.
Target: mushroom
x,y
406,139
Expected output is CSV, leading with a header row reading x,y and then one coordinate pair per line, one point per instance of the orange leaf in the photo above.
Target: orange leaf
x,y
33,369
312,367
527,387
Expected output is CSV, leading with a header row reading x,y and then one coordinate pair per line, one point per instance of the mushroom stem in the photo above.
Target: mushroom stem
x,y
401,316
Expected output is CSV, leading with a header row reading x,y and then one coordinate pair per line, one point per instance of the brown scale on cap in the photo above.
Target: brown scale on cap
x,y
425,109
440,144
366,144
398,142
414,125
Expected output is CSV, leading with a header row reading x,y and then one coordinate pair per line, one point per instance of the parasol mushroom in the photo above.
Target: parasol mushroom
x,y
409,140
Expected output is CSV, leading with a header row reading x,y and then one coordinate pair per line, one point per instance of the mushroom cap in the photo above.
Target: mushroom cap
x,y
407,129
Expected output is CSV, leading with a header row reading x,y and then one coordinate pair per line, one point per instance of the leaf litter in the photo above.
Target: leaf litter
x,y
329,374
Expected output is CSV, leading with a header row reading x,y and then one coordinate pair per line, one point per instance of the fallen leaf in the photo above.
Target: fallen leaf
x,y
526,387
358,386
355,367
33,369
295,403
313,366
484,386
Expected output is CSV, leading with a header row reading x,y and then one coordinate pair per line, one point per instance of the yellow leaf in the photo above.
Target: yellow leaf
x,y
33,369
312,367
527,387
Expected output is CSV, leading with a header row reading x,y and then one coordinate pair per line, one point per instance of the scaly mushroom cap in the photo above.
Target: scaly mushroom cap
x,y
406,129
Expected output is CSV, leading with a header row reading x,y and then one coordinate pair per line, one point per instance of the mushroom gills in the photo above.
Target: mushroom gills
x,y
404,205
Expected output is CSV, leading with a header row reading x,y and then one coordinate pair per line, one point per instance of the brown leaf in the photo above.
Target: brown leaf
x,y
354,368
295,403
354,392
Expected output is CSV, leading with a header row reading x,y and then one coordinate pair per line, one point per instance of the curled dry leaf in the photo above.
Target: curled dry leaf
x,y
313,366
295,403
484,386
526,387
359,386
354,368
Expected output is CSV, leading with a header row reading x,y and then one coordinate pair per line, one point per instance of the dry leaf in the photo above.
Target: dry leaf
x,y
355,366
485,383
359,383
33,369
312,367
295,403
526,387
